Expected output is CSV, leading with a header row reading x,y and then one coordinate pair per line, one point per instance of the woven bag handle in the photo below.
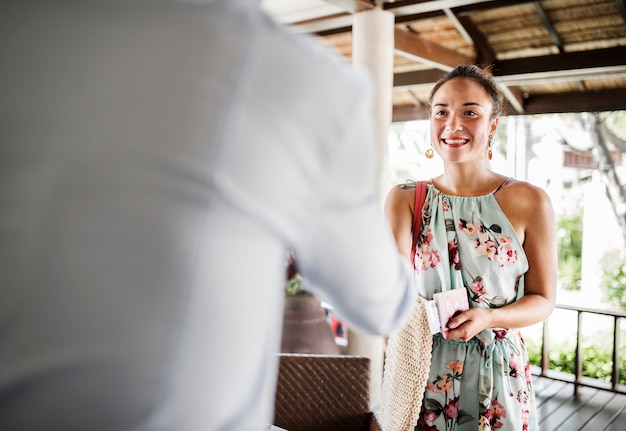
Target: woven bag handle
x,y
408,353
420,198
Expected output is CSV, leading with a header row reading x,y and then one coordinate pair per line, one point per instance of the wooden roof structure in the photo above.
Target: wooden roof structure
x,y
549,56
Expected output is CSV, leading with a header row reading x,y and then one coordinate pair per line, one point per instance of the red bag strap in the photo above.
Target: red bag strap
x,y
420,198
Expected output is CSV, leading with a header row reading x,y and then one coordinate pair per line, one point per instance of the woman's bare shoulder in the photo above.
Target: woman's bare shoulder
x,y
403,189
522,189
523,197
401,194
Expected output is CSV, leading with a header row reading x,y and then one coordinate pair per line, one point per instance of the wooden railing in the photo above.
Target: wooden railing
x,y
577,379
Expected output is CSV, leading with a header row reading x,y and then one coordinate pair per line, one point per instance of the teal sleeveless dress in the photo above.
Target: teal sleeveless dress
x,y
485,383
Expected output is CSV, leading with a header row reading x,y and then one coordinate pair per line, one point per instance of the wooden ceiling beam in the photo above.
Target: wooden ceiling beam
x,y
409,113
613,100
415,7
352,6
608,100
458,26
408,7
334,24
582,68
414,79
622,9
545,20
515,99
485,54
404,10
480,6
425,51
401,19
564,65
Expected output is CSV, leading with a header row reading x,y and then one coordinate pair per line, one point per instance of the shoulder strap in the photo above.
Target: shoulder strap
x,y
420,198
501,185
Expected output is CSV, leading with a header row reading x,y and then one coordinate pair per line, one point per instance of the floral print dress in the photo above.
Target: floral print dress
x,y
485,383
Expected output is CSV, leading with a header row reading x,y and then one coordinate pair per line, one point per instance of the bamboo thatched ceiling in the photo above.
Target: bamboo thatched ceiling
x,y
548,56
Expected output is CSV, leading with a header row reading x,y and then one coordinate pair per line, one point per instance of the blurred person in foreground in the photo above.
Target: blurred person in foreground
x,y
156,160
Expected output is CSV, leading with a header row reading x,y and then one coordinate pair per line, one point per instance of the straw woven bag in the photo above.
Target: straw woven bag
x,y
408,356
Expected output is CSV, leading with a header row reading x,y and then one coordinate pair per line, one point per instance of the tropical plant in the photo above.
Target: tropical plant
x,y
570,241
295,283
614,279
597,353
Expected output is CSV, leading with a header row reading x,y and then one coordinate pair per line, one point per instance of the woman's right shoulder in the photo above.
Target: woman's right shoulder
x,y
402,194
402,189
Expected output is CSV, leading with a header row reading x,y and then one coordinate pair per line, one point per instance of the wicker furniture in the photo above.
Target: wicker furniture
x,y
323,393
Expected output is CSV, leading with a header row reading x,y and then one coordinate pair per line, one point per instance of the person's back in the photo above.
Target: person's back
x,y
156,159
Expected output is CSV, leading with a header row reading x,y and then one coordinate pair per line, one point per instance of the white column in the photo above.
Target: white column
x,y
518,132
372,49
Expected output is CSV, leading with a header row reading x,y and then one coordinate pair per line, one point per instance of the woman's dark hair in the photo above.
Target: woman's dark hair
x,y
478,75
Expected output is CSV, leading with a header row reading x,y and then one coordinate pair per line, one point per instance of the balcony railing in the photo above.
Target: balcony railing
x,y
577,378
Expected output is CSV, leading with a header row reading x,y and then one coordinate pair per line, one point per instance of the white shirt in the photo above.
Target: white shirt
x,y
156,160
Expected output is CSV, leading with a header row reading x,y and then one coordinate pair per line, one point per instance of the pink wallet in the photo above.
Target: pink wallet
x,y
444,306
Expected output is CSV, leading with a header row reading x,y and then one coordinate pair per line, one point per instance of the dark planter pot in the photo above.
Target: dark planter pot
x,y
305,329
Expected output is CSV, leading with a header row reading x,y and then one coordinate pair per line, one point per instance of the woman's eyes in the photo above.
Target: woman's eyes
x,y
445,113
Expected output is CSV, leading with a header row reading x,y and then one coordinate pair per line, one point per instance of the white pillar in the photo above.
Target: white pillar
x,y
518,138
372,49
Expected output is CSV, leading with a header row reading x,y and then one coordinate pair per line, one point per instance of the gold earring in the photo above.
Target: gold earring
x,y
430,153
489,154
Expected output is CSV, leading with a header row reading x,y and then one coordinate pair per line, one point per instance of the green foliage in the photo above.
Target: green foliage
x,y
570,273
614,279
597,352
616,123
295,285
570,246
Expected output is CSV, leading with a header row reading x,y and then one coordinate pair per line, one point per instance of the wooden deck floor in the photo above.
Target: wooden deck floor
x,y
592,410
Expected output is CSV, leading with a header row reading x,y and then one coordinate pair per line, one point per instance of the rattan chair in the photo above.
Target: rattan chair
x,y
324,393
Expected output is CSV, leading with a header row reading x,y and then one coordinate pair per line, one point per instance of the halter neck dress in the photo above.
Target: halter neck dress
x,y
485,383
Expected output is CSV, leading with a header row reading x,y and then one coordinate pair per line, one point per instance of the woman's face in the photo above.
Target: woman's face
x,y
460,122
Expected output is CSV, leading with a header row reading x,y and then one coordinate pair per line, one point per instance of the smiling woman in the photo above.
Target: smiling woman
x,y
491,236
462,112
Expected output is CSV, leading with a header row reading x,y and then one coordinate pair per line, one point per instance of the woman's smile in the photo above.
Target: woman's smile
x,y
455,142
